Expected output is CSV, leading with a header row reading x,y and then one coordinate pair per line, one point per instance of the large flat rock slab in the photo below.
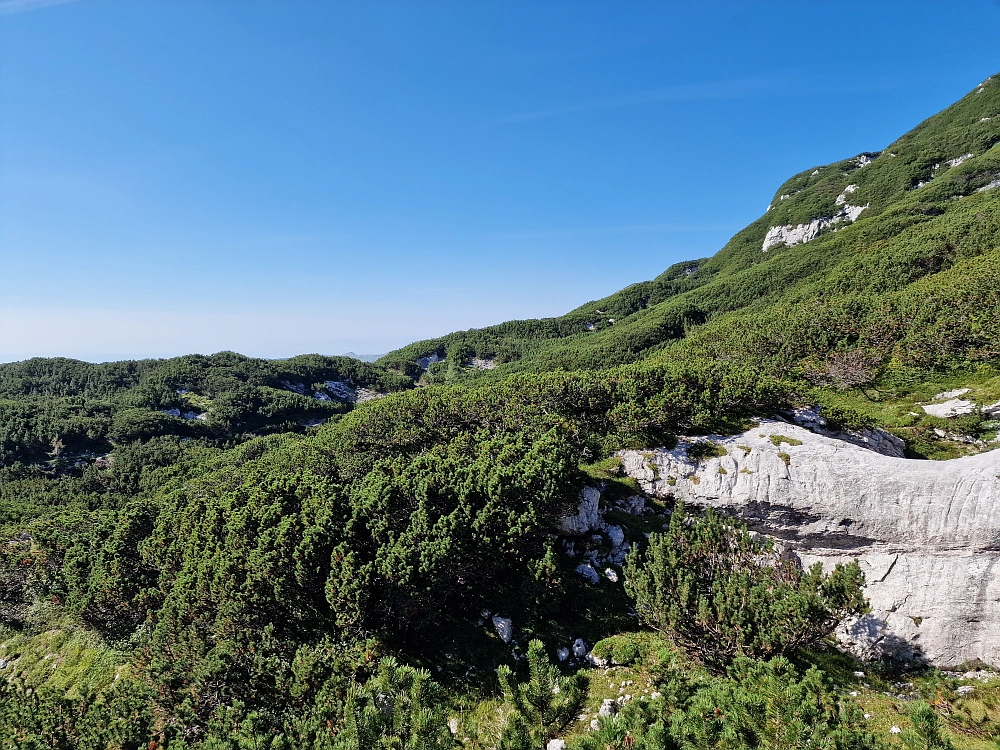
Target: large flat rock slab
x,y
927,533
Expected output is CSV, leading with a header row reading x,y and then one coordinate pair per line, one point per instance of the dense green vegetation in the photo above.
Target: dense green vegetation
x,y
62,410
224,552
720,593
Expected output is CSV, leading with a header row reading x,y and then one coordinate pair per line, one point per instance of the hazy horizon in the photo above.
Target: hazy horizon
x,y
278,179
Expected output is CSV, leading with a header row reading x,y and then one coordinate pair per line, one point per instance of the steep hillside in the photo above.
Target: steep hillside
x,y
870,253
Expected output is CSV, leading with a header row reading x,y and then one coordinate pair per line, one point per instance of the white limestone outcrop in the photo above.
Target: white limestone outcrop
x,y
876,439
341,390
842,198
954,407
951,394
587,516
608,542
791,235
426,361
927,533
958,160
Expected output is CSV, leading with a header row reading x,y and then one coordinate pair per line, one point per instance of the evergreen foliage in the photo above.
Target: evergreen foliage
x,y
395,710
925,734
722,593
62,410
33,719
538,710
757,704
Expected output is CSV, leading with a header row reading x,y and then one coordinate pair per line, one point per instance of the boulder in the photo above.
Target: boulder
x,y
927,533
616,535
955,407
587,515
504,628
586,570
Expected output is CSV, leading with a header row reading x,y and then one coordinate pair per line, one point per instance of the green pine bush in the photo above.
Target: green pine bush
x,y
721,592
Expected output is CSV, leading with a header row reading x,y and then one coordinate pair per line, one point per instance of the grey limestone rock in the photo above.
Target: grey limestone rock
x,y
616,535
954,407
587,516
586,570
927,533
504,628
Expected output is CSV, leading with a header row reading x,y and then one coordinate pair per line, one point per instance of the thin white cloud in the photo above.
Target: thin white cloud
x,y
687,92
7,7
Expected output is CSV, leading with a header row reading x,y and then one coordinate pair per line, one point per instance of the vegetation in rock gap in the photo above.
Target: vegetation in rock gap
x,y
540,709
721,593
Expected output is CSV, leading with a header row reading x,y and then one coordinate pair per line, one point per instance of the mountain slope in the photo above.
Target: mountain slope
x,y
245,587
913,225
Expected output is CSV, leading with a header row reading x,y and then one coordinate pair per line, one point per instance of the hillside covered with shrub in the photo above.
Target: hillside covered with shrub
x,y
224,552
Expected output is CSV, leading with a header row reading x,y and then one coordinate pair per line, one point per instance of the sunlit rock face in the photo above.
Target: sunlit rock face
x,y
927,533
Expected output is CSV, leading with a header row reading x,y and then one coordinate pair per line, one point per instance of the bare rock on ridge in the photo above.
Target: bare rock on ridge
x,y
875,439
927,533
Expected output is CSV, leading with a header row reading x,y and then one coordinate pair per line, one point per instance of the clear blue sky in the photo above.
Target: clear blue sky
x,y
279,177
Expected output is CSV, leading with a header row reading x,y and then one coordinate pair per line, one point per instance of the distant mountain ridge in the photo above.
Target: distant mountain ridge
x,y
364,357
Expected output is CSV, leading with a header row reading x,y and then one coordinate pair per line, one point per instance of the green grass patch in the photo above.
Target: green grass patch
x,y
63,657
777,440
705,449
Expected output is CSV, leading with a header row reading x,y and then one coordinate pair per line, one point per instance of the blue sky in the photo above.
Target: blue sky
x,y
280,177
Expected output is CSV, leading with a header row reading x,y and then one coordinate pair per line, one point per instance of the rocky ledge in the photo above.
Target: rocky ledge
x,y
927,533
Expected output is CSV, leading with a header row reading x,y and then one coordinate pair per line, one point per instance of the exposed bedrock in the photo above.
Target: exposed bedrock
x,y
927,533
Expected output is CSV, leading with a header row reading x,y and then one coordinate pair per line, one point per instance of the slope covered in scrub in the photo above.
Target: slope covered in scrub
x,y
885,283
225,552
